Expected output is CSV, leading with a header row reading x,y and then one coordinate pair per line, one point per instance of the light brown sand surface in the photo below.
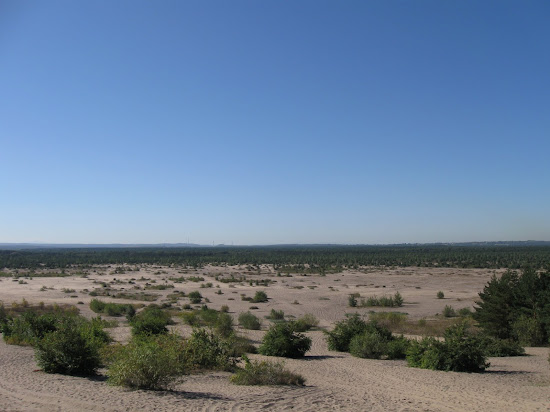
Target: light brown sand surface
x,y
334,381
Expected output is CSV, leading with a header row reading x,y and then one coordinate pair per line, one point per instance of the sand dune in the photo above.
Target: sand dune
x,y
335,381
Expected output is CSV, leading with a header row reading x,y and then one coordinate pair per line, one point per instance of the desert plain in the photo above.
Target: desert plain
x,y
334,380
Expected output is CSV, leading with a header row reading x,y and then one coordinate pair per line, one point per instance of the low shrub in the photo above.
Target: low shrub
x,y
205,350
249,321
283,340
528,331
260,297
306,322
112,309
340,337
150,321
266,373
495,347
377,342
195,297
276,315
449,312
440,295
459,352
73,347
148,362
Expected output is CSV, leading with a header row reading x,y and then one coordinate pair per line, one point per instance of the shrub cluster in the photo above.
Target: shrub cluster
x,y
265,373
260,297
249,321
112,309
282,339
220,322
384,301
366,339
152,320
459,352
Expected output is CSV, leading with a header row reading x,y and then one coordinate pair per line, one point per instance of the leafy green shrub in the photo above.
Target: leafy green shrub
x,y
449,312
195,297
384,301
249,321
398,299
459,352
352,300
205,350
440,295
306,322
266,373
148,362
30,327
150,321
112,309
527,331
73,348
465,312
283,340
377,342
260,297
224,325
276,315
500,347
340,337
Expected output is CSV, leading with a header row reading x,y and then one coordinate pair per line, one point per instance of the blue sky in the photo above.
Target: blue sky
x,y
263,122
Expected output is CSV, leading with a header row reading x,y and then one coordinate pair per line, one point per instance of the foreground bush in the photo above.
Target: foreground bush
x,y
459,352
266,373
249,321
148,362
204,350
220,322
73,348
283,340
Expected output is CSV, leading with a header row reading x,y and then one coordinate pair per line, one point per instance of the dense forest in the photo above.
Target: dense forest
x,y
315,258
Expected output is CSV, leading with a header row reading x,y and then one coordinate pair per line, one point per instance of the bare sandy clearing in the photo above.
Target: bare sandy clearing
x,y
335,381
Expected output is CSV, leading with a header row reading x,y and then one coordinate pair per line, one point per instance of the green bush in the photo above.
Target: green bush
x,y
496,347
459,352
283,340
30,327
205,350
73,348
148,362
449,312
260,297
305,323
440,295
266,373
112,309
276,315
377,342
527,331
249,321
150,321
195,297
352,300
340,337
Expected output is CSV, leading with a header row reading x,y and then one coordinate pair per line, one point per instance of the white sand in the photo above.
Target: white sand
x,y
335,381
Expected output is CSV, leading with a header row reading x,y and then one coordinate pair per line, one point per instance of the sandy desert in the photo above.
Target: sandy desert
x,y
334,380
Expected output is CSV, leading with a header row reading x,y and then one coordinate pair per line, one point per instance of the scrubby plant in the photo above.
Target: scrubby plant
x,y
73,348
266,373
112,309
440,295
150,321
276,315
352,300
205,350
282,340
340,337
249,321
459,352
148,362
449,312
495,347
195,297
260,297
378,343
306,322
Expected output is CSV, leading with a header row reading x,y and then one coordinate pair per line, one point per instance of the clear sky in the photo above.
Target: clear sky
x,y
263,122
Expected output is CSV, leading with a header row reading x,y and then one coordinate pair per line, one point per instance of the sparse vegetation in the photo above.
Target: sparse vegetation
x,y
266,373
